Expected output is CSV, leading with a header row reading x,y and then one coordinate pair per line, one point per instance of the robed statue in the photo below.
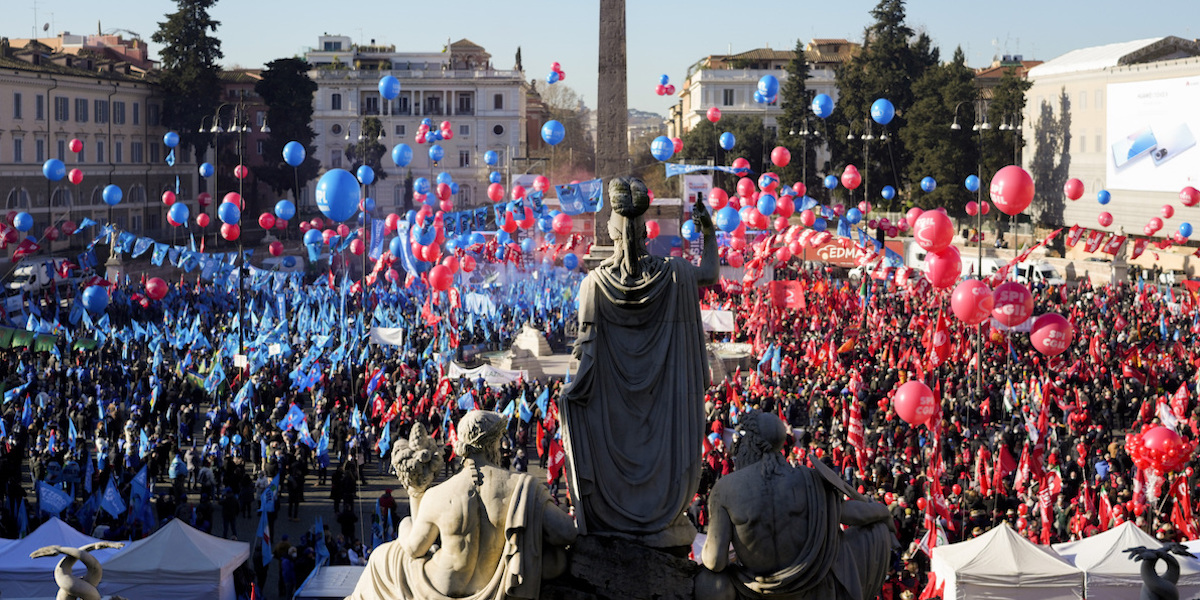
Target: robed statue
x,y
633,417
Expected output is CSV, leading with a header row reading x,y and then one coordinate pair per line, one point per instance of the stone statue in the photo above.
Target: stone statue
x,y
784,523
484,533
1155,586
633,417
71,587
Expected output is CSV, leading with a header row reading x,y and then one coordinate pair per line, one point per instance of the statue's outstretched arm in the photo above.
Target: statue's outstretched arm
x,y
710,266
858,513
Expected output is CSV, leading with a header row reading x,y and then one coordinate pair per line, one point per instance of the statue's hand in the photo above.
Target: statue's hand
x,y
702,218
46,551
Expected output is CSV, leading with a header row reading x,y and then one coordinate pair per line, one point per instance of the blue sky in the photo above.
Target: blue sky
x,y
664,36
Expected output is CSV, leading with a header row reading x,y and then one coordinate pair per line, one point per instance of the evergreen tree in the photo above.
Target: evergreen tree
x,y
938,151
367,150
891,60
189,79
753,142
288,92
796,100
1002,148
1051,159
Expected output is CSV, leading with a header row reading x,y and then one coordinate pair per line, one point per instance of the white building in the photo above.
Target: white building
x,y
485,105
1134,124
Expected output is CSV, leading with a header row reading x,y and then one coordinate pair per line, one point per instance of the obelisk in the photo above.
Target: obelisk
x,y
612,116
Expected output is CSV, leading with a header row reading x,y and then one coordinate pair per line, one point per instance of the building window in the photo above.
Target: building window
x,y
60,149
39,107
498,102
335,158
62,109
464,195
464,130
466,104
18,150
99,151
400,129
17,198
61,197
464,158
370,105
727,97
119,152
80,156
433,105
155,153
40,150
1099,142
331,46
152,111
118,113
152,222
1083,142
335,102
1099,100
260,118
16,105
101,111
262,144
135,152
81,110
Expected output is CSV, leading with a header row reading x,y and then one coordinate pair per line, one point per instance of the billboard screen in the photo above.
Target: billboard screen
x,y
1152,131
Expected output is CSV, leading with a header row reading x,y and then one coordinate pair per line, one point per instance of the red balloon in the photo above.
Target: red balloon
x,y
783,254
956,489
241,171
356,246
972,208
75,176
735,259
799,188
451,263
851,178
518,192
69,227
495,192
1011,190
660,89
1104,219
343,230
168,197
235,198
785,206
807,218
745,187
912,215
1051,334
781,223
1189,196
230,231
1013,304
678,143
943,268
1022,523
914,402
713,114
328,235
76,145
266,220
1156,223
717,199
50,233
922,503
1073,189
276,248
933,231
442,191
440,278
1168,211
317,223
740,163
986,207
652,229
510,225
156,288
737,243
203,219
467,264
563,224
781,156
972,302
390,222
305,226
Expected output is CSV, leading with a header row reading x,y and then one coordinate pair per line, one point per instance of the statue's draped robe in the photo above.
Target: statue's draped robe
x,y
633,418
392,573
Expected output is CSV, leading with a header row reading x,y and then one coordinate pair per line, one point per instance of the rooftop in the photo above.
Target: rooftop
x,y
1097,58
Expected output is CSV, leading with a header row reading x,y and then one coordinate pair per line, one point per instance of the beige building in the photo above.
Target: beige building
x,y
485,105
47,99
1134,124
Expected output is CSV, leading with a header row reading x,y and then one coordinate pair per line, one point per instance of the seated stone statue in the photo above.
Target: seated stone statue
x,y
784,525
479,534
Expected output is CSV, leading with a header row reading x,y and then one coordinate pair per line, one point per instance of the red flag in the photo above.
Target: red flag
x,y
1104,511
1073,235
1044,505
1182,515
1114,244
1094,240
4,229
1023,471
557,459
939,342
1139,246
786,294
1179,402
855,435
25,248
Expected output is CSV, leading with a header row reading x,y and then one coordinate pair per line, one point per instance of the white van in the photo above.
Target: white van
x,y
1027,273
33,276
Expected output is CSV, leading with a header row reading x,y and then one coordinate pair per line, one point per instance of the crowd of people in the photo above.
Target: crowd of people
x,y
307,420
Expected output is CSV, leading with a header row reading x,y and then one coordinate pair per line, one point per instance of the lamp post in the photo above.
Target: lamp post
x,y
979,126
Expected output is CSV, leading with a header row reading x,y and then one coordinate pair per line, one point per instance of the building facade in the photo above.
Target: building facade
x,y
484,105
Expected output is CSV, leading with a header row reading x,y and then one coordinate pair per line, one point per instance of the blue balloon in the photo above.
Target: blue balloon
x,y
312,237
95,299
882,111
662,148
477,239
1103,197
396,246
928,184
553,132
570,261
444,177
727,219
402,154
23,222
689,230
54,169
426,235
435,136
495,177
421,185
759,98
454,187
229,213
527,246
289,261
822,105
427,122
552,78
410,217
366,175
337,194
179,213
1185,229
112,195
237,438
766,204
369,204
294,153
888,192
171,139
389,87
831,182
727,141
972,183
491,158
768,86
224,441
436,153
819,224
663,79
853,216
284,209
206,170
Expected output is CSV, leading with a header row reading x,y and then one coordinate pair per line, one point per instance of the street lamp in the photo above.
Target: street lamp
x,y
979,126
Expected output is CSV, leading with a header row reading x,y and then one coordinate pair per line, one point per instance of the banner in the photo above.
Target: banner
x,y
1073,235
387,336
1114,244
585,196
717,320
1095,239
787,294
674,169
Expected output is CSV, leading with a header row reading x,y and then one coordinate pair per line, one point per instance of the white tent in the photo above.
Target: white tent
x,y
24,577
1002,564
177,562
1108,571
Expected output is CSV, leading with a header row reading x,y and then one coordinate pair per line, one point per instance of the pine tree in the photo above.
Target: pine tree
x,y
367,150
288,92
1051,158
753,142
796,100
189,79
938,151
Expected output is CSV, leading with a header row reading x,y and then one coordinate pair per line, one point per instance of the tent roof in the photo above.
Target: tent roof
x,y
1105,554
1002,557
178,548
14,554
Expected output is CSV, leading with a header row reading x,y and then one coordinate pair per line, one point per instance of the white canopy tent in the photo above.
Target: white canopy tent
x,y
177,562
1002,564
1108,571
24,577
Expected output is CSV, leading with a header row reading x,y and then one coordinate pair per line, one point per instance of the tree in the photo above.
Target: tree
x,y
288,92
189,79
575,156
752,142
1051,160
368,151
650,170
943,93
892,58
1001,149
796,100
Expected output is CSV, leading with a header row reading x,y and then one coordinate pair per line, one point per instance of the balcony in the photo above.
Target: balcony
x,y
328,73
464,112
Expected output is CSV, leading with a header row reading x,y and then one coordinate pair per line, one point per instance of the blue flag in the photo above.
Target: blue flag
x,y
385,440
71,434
523,410
15,392
112,502
295,417
543,401
243,396
22,520
51,499
318,532
264,537
466,401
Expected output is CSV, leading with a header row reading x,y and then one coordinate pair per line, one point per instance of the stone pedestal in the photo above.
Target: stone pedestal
x,y
114,268
611,568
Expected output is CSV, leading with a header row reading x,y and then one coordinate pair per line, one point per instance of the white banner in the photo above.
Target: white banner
x,y
717,320
389,336
494,376
1023,327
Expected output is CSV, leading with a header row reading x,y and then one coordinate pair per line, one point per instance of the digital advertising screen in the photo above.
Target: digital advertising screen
x,y
1152,131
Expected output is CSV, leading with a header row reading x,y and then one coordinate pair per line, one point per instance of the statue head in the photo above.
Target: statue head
x,y
479,434
760,435
630,199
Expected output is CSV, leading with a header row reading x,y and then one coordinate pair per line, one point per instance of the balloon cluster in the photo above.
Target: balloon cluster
x,y
664,87
1159,449
426,133
556,74
768,90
